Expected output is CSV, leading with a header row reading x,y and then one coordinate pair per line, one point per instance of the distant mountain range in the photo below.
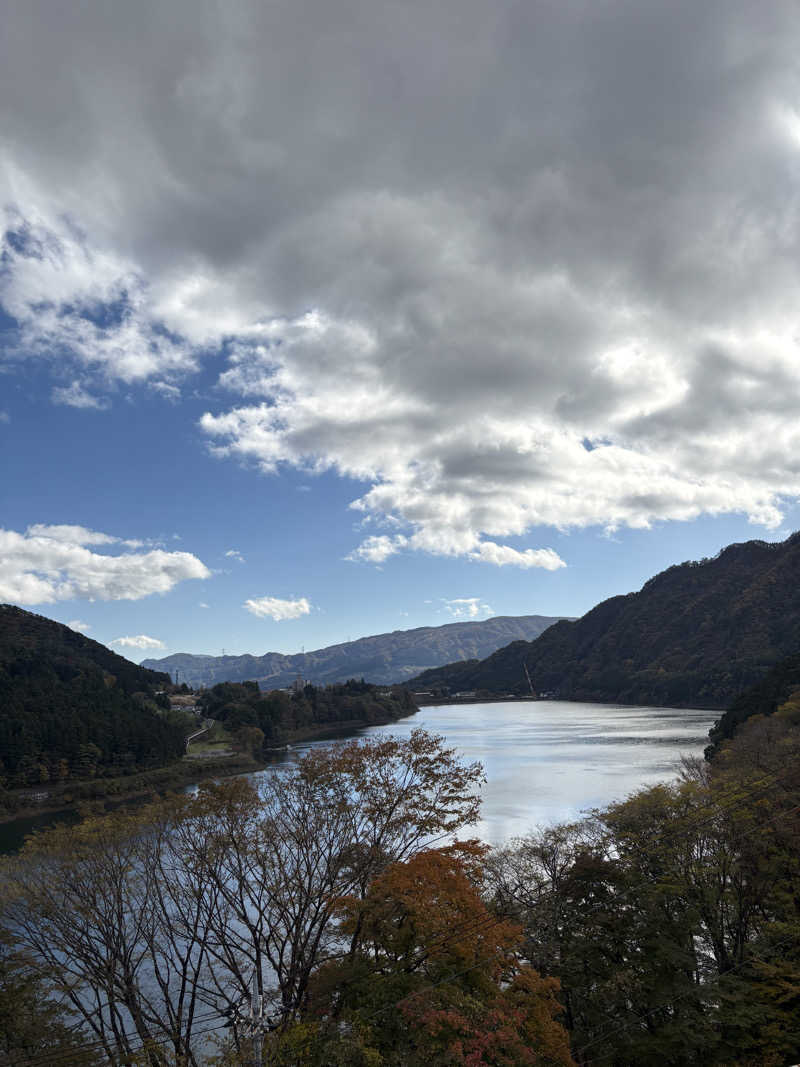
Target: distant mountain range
x,y
382,659
695,635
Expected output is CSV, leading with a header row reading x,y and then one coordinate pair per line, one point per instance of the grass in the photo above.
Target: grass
x,y
212,743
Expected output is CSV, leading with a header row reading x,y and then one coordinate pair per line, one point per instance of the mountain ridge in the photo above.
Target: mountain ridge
x,y
380,658
695,634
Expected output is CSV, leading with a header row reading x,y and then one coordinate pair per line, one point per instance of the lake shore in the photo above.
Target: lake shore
x,y
98,793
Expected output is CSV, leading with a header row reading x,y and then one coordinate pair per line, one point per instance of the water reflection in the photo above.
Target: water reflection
x,y
547,761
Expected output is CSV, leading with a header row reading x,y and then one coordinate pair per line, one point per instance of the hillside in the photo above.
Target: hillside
x,y
382,659
281,716
764,698
69,707
696,634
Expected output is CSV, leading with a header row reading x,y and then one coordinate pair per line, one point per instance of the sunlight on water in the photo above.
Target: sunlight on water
x,y
547,761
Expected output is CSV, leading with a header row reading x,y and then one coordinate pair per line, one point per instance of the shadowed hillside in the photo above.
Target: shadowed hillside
x,y
764,698
696,634
71,707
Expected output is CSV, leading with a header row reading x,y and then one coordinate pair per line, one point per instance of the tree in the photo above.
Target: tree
x,y
433,976
149,920
671,919
249,739
314,832
33,1024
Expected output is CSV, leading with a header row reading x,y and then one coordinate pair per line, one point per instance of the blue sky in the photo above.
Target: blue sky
x,y
295,352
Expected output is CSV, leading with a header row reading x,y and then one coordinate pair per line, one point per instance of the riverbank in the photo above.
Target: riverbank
x,y
97,793
426,702
329,731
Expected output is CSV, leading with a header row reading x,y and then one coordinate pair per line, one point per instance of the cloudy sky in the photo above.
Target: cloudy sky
x,y
322,319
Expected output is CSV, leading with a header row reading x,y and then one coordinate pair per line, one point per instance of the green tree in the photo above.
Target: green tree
x,y
33,1025
432,976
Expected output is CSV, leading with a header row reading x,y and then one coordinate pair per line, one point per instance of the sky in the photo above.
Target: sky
x,y
332,318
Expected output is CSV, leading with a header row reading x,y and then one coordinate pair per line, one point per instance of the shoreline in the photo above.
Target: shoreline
x,y
172,776
493,699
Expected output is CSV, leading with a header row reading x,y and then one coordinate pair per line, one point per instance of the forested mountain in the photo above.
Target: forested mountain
x,y
696,634
764,698
69,707
382,659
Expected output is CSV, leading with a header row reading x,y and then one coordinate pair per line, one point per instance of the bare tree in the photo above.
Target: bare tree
x,y
157,921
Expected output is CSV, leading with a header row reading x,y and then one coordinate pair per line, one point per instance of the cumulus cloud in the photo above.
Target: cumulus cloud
x,y
70,534
503,555
377,548
51,563
535,267
232,553
274,608
79,625
468,607
141,641
73,301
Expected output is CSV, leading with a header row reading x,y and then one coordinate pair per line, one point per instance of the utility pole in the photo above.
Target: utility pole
x,y
256,1021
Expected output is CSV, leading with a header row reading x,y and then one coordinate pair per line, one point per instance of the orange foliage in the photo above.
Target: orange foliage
x,y
470,1000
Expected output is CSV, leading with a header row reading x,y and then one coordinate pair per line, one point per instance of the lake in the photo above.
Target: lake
x,y
546,761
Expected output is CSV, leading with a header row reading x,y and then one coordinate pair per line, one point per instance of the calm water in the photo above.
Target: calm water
x,y
546,761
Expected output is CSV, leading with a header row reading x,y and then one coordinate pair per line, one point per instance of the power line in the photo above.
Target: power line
x,y
469,927
498,920
671,1003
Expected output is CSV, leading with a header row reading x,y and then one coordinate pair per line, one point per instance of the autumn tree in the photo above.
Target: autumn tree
x,y
155,919
432,976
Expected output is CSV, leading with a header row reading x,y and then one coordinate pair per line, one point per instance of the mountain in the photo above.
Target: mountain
x,y
69,707
764,698
382,659
696,634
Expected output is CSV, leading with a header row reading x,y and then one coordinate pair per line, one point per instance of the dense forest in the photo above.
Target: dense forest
x,y
764,698
695,635
279,714
71,708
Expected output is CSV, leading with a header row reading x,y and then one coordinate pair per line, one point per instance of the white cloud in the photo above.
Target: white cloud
x,y
76,396
77,624
142,642
51,563
70,535
167,390
232,553
4,416
377,549
468,607
79,303
503,555
547,288
202,604
274,608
